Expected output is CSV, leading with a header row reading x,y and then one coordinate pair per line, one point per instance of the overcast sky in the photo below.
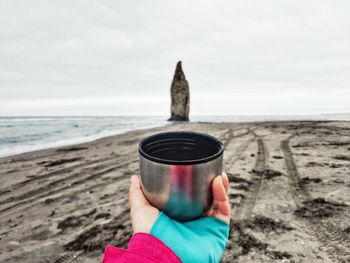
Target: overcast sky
x,y
118,57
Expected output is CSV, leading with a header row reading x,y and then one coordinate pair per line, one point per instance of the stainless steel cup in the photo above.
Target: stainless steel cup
x,y
177,170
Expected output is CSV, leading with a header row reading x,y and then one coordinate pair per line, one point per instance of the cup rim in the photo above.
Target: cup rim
x,y
181,162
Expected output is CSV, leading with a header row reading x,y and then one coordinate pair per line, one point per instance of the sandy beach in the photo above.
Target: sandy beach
x,y
289,191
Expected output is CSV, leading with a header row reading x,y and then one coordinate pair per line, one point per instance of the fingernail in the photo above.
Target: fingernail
x,y
220,178
224,175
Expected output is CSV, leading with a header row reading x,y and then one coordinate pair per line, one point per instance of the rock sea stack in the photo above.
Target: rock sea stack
x,y
180,96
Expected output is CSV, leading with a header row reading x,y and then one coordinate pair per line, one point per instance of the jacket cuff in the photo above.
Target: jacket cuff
x,y
143,248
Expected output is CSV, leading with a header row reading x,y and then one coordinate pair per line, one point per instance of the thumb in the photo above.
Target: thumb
x,y
221,206
136,197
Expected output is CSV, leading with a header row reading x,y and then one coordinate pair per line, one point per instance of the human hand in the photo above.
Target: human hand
x,y
144,215
200,240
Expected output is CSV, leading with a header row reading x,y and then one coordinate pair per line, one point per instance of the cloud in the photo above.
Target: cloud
x,y
64,57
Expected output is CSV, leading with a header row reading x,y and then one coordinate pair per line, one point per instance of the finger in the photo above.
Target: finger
x,y
210,212
221,206
226,186
225,181
136,197
219,192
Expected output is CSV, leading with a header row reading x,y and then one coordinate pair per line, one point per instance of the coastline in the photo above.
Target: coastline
x,y
79,142
70,137
71,201
46,139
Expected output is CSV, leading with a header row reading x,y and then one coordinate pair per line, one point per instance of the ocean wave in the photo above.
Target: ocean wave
x,y
19,135
29,145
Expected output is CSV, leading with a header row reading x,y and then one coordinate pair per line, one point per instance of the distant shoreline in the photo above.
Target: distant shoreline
x,y
87,141
75,142
21,135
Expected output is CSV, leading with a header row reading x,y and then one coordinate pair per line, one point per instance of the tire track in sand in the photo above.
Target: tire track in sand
x,y
299,192
230,135
81,179
58,172
331,236
247,204
241,148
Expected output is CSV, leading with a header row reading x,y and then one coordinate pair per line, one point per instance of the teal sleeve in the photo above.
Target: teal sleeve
x,y
202,240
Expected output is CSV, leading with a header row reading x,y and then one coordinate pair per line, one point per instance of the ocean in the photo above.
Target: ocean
x,y
23,134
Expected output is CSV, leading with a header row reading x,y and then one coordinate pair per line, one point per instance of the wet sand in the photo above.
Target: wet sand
x,y
289,192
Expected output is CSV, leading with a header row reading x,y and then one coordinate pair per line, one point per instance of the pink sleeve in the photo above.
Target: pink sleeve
x,y
143,248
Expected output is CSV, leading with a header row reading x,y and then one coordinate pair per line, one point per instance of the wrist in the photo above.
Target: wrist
x,y
201,240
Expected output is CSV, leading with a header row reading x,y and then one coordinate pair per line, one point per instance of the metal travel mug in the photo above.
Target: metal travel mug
x,y
177,170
